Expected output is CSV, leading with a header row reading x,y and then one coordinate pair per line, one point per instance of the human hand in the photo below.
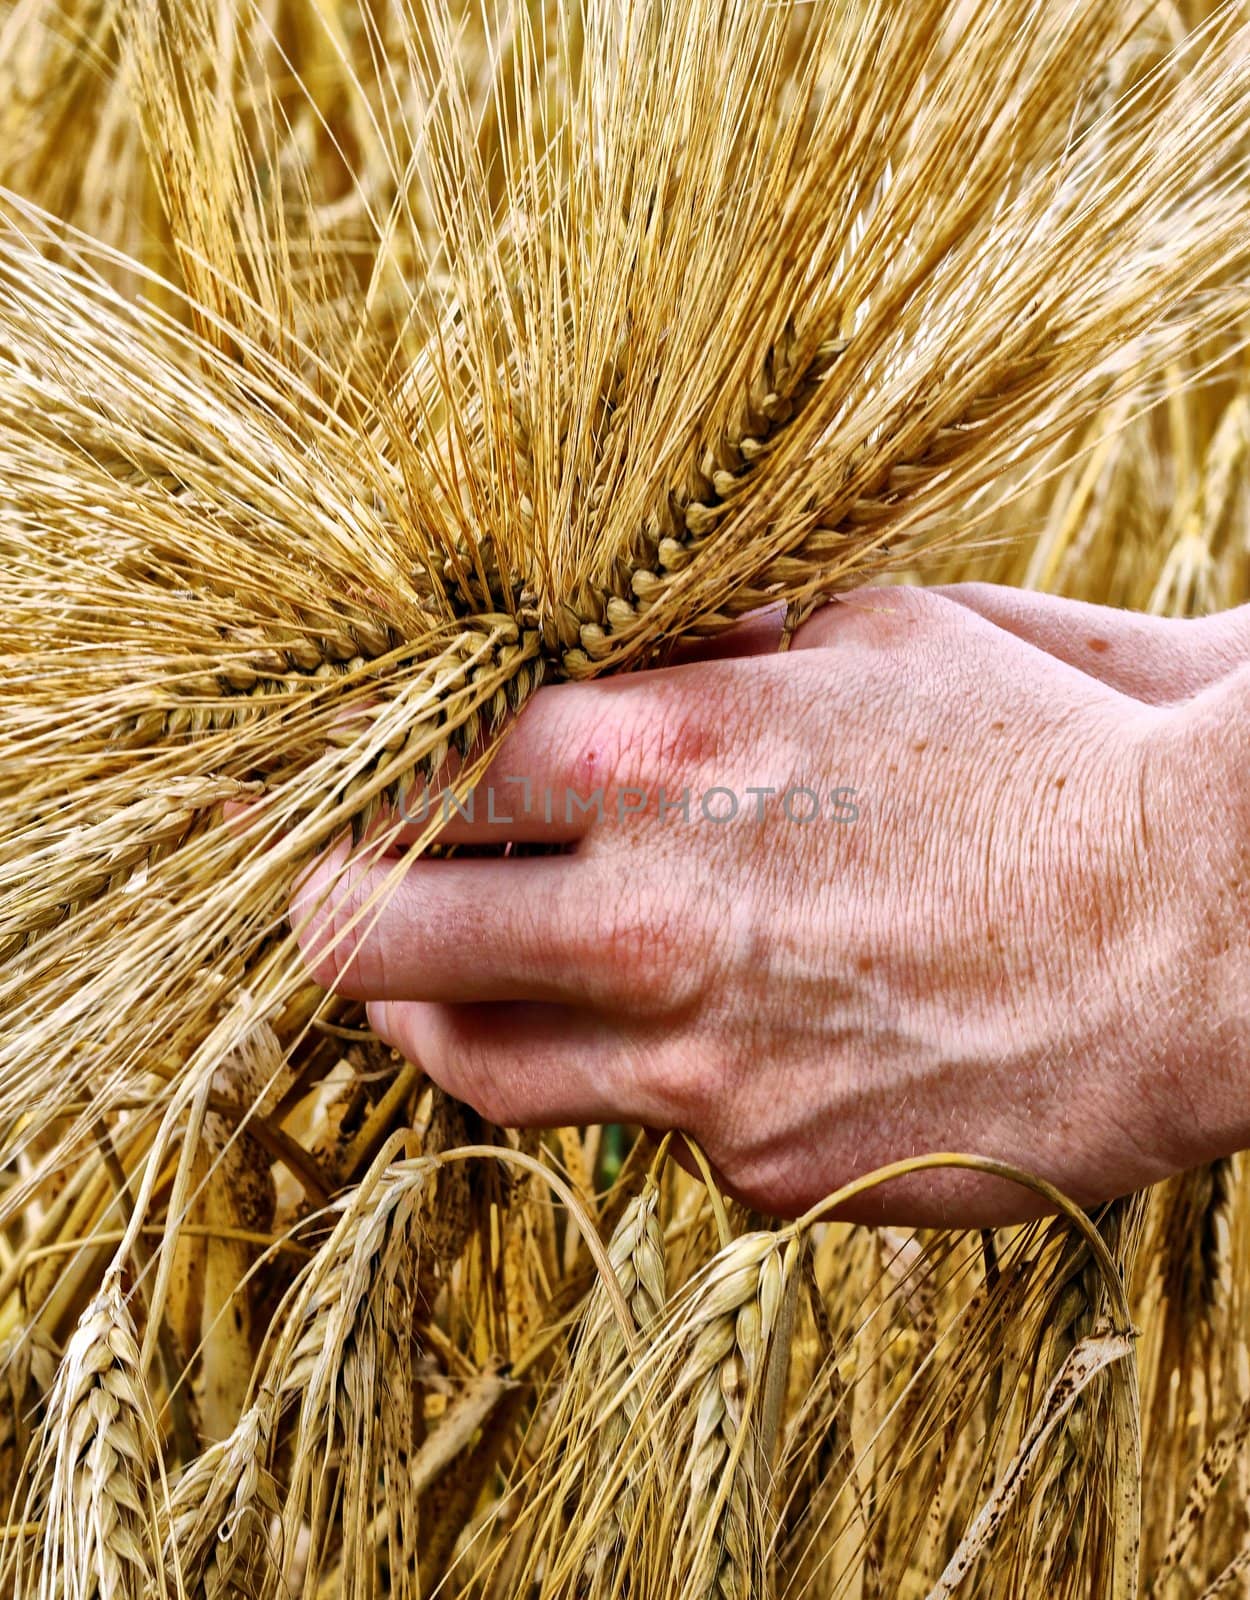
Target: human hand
x,y
1005,952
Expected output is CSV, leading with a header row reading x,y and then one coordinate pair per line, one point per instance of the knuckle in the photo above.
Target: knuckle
x,y
679,735
886,618
644,735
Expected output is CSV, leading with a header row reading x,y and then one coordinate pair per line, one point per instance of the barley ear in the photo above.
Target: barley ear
x,y
97,1483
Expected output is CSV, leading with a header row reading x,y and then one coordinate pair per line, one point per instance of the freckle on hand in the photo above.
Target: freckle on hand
x,y
1098,645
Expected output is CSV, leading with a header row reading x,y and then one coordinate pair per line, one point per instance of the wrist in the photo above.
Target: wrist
x,y
1199,820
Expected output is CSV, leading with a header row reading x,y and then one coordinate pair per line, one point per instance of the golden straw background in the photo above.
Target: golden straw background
x,y
362,367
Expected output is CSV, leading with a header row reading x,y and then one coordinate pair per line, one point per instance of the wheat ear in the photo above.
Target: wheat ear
x,y
727,1325
221,1512
636,1252
344,1336
96,1484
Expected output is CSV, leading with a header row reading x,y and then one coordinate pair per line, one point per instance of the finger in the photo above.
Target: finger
x,y
1158,660
526,795
584,754
523,1065
1087,638
507,929
927,639
501,806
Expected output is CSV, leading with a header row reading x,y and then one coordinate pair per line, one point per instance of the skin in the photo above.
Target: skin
x,y
1030,944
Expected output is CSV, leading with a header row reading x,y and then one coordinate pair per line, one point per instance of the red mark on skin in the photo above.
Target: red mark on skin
x,y
1098,645
663,751
687,739
585,768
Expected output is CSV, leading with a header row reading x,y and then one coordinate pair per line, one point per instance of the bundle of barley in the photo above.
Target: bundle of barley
x,y
361,369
